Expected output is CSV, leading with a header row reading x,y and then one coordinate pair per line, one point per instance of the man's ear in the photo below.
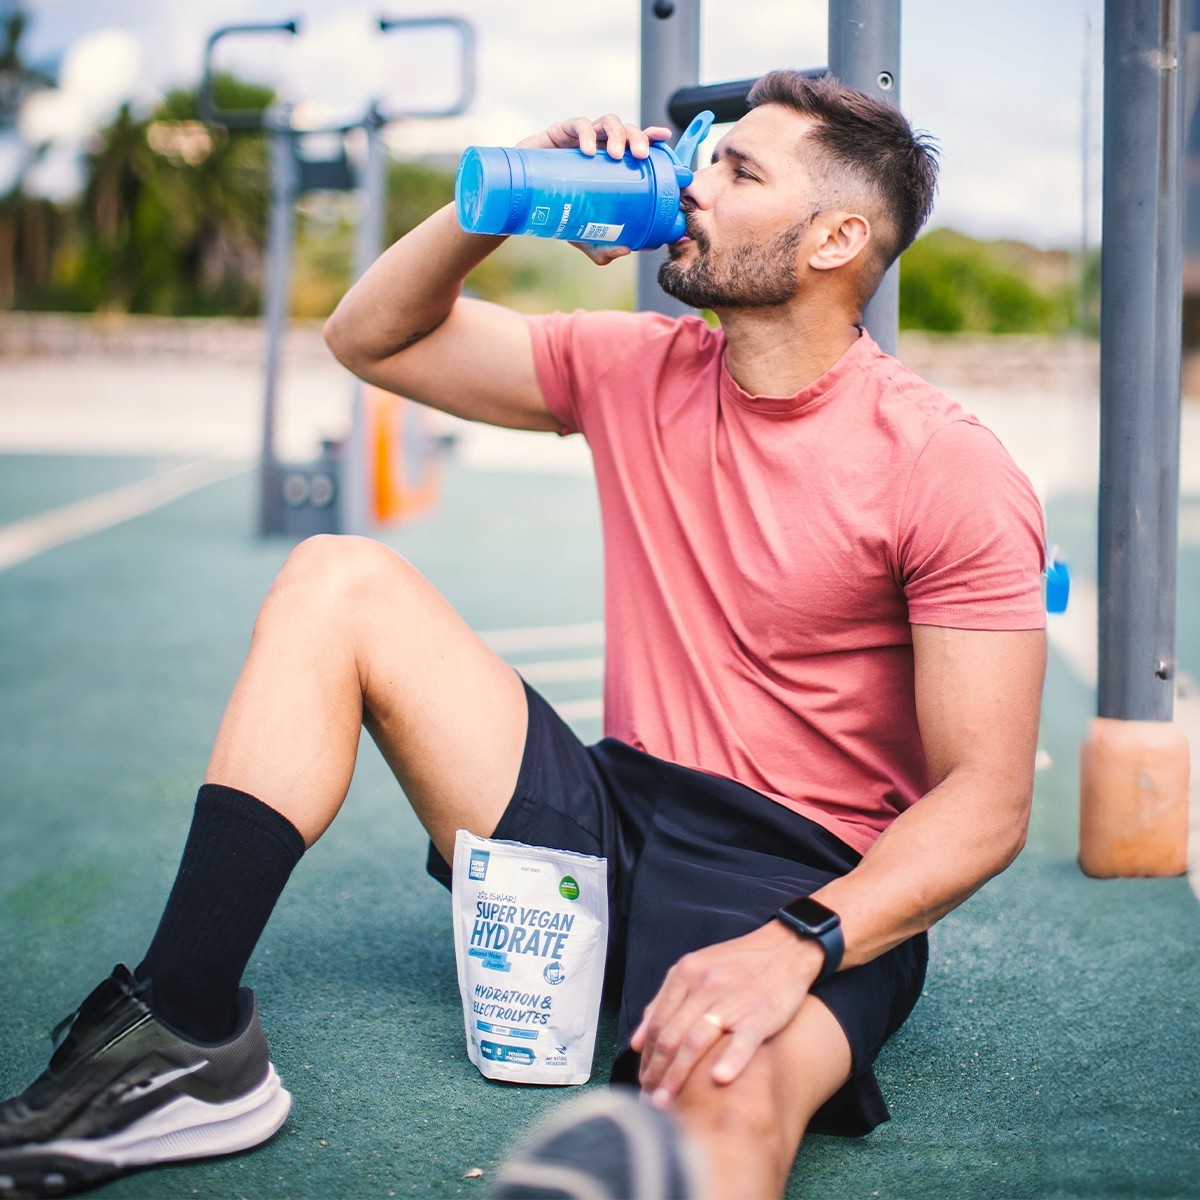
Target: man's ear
x,y
841,237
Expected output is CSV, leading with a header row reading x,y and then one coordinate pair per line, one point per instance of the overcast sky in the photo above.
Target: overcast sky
x,y
1001,86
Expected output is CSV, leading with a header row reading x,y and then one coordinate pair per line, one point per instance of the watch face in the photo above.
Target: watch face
x,y
813,915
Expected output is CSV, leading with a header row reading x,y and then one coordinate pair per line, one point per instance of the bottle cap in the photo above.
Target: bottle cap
x,y
673,172
692,136
1058,583
489,190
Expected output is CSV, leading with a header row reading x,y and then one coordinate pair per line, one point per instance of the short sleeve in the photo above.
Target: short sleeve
x,y
574,352
971,542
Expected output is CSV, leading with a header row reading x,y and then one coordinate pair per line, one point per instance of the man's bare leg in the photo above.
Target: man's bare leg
x,y
352,635
750,1131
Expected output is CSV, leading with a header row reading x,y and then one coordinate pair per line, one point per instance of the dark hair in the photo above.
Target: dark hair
x,y
865,142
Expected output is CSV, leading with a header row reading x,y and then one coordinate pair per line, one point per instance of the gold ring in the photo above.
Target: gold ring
x,y
713,1019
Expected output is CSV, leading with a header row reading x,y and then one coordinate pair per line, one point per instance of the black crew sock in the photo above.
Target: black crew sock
x,y
237,859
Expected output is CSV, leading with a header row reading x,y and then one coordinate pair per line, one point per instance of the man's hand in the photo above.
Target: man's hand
x,y
586,135
750,988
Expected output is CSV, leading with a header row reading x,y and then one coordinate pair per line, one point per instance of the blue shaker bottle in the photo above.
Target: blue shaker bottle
x,y
579,197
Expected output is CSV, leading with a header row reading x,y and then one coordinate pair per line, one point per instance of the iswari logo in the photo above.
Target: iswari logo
x,y
479,864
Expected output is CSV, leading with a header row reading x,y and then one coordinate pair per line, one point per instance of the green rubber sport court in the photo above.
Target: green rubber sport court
x,y
1055,1052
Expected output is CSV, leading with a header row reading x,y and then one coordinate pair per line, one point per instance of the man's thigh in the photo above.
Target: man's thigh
x,y
447,713
559,799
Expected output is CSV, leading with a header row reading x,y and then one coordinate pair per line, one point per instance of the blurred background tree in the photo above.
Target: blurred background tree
x,y
172,220
28,227
950,283
172,216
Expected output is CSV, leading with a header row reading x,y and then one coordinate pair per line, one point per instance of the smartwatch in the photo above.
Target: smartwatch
x,y
809,918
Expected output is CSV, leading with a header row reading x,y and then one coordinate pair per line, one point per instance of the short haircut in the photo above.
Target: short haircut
x,y
868,150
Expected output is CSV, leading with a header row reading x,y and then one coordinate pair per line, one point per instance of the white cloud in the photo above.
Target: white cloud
x,y
999,85
101,70
57,175
53,115
13,156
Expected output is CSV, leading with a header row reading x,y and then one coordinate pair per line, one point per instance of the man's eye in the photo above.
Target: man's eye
x,y
742,173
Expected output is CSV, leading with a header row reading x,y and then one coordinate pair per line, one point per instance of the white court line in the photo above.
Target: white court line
x,y
580,710
562,670
545,637
24,539
567,670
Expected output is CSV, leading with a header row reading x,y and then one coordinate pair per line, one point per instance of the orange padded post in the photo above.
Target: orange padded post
x,y
397,494
1133,799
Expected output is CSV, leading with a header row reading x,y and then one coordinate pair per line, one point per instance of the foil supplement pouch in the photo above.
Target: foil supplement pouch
x,y
530,938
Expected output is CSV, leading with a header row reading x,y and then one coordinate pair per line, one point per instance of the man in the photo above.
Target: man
x,y
825,655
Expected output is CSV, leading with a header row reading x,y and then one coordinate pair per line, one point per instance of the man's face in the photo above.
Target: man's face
x,y
747,215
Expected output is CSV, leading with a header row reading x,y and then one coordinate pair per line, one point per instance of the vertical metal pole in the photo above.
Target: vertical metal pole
x,y
356,477
284,184
864,53
1140,332
670,60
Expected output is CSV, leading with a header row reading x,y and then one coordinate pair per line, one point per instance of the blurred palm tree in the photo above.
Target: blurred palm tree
x,y
173,216
17,77
27,225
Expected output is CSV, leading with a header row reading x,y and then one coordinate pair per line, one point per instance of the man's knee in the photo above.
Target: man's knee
x,y
341,572
744,1113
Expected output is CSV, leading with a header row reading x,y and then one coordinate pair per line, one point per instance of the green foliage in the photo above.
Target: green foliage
x,y
174,213
950,283
171,220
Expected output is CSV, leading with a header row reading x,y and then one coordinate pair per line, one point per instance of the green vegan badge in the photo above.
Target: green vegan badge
x,y
568,888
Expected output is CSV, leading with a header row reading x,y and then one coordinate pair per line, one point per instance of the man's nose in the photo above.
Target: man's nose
x,y
698,193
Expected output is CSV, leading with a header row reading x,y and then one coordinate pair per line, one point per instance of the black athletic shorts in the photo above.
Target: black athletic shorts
x,y
695,859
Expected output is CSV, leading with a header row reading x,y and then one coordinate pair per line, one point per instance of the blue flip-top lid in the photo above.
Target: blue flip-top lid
x,y
673,172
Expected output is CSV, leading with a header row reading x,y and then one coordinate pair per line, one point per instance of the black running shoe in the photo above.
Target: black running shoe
x,y
122,1091
606,1145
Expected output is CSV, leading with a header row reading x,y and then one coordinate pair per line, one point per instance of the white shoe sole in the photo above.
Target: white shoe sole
x,y
185,1128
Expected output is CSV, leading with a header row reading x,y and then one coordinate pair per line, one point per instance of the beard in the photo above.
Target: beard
x,y
748,275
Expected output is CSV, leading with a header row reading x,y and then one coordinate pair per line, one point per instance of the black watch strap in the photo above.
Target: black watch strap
x,y
810,918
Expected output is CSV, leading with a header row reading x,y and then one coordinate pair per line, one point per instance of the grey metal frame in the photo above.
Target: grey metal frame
x,y
864,52
332,493
1141,287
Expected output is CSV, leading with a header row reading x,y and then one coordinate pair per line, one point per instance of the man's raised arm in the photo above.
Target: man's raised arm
x,y
405,326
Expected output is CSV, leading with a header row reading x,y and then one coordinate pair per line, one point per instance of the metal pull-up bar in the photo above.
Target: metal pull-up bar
x,y
864,52
1135,766
331,494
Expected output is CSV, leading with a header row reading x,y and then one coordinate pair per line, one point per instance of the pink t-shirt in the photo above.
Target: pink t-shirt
x,y
765,556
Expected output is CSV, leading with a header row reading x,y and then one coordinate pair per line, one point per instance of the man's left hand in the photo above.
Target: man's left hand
x,y
749,988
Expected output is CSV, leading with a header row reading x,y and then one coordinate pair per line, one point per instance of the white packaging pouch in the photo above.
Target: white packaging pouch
x,y
530,937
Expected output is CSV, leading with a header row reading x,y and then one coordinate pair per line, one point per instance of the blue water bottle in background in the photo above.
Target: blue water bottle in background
x,y
579,197
1058,583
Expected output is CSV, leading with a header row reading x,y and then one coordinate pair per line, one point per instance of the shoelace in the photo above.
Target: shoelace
x,y
61,1031
58,1034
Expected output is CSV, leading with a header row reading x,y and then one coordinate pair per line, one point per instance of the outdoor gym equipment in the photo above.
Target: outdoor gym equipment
x,y
1135,774
864,52
348,489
